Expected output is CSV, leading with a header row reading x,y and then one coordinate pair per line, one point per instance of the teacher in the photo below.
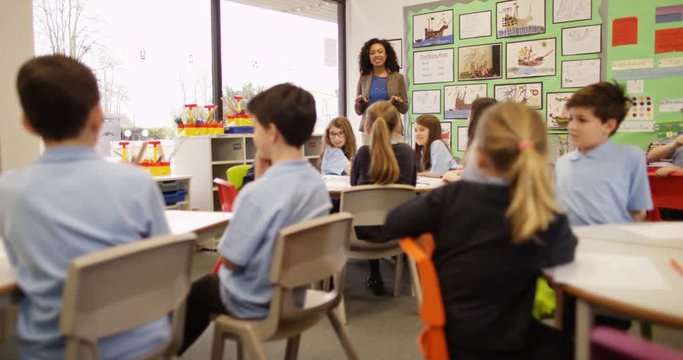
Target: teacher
x,y
380,79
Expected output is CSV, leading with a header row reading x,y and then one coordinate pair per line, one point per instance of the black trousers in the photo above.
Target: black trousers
x,y
203,301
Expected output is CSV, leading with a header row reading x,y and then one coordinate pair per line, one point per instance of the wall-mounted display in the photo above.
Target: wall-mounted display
x,y
397,44
446,132
462,138
433,66
474,25
458,99
530,58
557,115
426,102
479,62
580,73
530,94
520,17
571,10
433,29
582,40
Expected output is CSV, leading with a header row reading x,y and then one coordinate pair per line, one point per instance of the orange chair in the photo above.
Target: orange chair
x,y
226,194
432,339
666,193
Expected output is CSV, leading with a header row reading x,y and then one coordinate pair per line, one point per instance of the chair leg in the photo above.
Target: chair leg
x,y
240,350
218,343
646,330
415,280
343,336
292,350
253,345
398,276
340,310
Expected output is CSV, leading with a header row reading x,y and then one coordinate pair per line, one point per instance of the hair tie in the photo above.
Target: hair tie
x,y
525,144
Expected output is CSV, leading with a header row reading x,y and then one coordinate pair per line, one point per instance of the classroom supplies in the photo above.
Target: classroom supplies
x,y
124,150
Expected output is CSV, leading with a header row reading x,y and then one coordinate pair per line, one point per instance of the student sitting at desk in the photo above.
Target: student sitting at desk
x,y
381,162
493,238
434,156
287,190
69,203
673,151
340,147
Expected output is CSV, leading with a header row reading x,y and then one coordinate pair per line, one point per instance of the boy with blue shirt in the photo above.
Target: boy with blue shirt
x,y
287,190
601,182
69,203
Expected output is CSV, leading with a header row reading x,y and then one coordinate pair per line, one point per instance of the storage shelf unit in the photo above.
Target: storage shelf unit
x,y
209,157
175,190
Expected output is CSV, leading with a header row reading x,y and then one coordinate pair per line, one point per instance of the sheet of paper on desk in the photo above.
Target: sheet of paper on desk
x,y
663,231
611,272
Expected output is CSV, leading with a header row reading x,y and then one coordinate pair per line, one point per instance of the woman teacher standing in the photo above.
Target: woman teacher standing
x,y
380,79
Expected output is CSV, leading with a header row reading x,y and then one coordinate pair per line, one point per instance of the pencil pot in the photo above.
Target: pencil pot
x,y
157,168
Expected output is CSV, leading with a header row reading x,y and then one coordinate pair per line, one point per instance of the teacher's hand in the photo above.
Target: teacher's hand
x,y
361,99
395,99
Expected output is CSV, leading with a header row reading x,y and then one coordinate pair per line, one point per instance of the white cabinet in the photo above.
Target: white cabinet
x,y
209,157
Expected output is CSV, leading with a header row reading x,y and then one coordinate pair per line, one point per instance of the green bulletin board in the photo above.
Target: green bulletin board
x,y
433,16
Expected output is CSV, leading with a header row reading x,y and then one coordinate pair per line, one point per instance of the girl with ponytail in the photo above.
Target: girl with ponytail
x,y
381,163
492,239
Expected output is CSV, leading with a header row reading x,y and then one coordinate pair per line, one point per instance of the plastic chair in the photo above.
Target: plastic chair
x,y
236,174
227,192
304,253
432,339
666,193
124,287
610,344
369,205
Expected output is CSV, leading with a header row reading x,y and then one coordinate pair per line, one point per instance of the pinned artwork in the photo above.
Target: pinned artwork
x,y
433,29
642,108
520,17
458,99
530,94
479,62
557,115
580,73
571,10
581,40
530,58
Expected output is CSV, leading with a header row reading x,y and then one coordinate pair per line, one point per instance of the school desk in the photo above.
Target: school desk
x,y
205,224
336,184
624,269
667,192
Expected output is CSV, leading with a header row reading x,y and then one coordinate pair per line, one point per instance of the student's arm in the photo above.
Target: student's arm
x,y
419,215
561,242
245,232
157,224
665,171
440,159
661,152
639,197
639,215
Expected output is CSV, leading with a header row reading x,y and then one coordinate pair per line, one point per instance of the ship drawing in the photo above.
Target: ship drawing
x,y
512,19
527,57
431,33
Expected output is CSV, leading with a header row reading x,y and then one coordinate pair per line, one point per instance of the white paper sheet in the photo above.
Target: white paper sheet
x,y
671,105
475,25
635,86
580,73
426,102
608,271
663,231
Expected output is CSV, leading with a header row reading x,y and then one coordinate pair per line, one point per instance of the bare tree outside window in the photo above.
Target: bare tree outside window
x,y
66,28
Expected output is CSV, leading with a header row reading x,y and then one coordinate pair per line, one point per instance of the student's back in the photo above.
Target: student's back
x,y
69,203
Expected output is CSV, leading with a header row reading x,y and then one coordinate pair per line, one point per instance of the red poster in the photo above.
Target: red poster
x,y
625,31
668,40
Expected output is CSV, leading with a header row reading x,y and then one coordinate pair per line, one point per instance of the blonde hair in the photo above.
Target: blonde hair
x,y
382,118
349,148
514,138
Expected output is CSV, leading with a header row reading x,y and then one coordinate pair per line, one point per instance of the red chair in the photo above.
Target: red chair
x,y
610,344
667,192
432,338
226,194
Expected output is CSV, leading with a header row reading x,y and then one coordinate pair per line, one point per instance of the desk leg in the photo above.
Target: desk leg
x,y
584,323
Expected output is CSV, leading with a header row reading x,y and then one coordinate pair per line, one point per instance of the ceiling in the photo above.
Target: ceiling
x,y
316,9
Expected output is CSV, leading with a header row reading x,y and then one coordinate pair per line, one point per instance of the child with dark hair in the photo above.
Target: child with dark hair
x,y
287,190
89,205
434,156
601,182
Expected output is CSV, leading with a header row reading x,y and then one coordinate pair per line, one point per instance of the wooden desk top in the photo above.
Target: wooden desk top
x,y
629,271
336,184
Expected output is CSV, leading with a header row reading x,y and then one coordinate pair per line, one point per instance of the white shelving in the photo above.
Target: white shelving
x,y
209,157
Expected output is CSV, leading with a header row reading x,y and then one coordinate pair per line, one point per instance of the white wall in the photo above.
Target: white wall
x,y
367,19
17,148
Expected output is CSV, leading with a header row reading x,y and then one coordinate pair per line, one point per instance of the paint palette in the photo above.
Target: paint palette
x,y
641,108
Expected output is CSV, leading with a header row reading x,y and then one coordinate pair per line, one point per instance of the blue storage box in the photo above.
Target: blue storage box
x,y
239,130
172,198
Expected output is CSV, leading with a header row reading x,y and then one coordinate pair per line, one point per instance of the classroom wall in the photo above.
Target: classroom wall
x,y
364,20
17,148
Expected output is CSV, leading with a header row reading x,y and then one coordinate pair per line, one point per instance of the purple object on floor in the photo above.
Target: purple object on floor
x,y
611,344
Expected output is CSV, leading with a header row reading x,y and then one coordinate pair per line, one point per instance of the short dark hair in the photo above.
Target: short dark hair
x,y
605,98
290,108
477,108
57,93
364,63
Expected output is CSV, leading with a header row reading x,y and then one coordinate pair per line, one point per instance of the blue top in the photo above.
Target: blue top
x,y
288,193
440,158
602,186
677,157
69,203
334,162
378,90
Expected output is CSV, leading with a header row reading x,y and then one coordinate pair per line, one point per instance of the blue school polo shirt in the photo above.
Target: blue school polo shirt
x,y
441,159
288,193
69,203
334,161
603,185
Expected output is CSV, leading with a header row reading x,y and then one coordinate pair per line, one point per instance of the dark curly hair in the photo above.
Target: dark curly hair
x,y
364,64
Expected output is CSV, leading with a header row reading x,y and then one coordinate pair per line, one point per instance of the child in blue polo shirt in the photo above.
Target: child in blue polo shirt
x,y
69,203
287,190
601,182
